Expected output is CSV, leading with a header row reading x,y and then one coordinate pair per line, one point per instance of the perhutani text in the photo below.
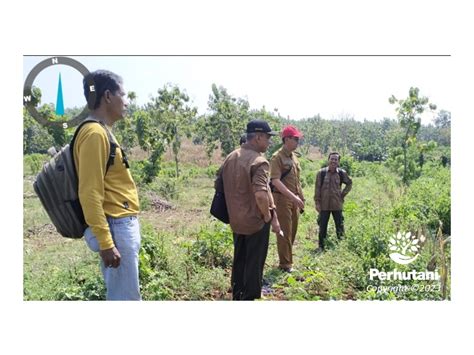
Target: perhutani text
x,y
403,275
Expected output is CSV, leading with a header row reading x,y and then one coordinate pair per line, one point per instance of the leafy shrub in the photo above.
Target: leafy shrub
x,y
79,284
211,171
168,188
137,169
426,202
32,163
213,246
153,255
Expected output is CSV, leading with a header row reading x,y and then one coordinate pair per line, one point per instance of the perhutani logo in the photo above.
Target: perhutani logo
x,y
403,275
405,248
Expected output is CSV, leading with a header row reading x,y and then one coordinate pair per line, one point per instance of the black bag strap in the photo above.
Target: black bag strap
x,y
113,144
286,172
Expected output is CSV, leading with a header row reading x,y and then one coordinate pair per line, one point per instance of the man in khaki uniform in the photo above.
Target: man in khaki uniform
x,y
329,198
251,209
287,193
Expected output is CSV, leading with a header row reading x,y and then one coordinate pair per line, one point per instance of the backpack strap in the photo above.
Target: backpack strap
x,y
125,159
341,175
113,144
340,172
323,175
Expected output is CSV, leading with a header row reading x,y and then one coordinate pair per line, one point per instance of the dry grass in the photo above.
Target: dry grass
x,y
314,154
189,154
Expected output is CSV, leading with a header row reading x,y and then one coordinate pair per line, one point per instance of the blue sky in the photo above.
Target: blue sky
x,y
299,87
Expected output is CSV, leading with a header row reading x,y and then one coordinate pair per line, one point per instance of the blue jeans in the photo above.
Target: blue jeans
x,y
122,282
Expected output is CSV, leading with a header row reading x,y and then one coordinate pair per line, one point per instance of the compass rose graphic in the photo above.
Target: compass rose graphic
x,y
29,103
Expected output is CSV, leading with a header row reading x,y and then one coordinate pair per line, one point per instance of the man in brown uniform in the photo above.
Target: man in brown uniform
x,y
251,209
287,193
329,198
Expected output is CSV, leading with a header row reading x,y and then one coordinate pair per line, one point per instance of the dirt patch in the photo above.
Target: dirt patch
x,y
44,231
175,219
159,205
314,153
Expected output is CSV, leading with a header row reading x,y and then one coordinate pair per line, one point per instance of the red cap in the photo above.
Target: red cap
x,y
291,131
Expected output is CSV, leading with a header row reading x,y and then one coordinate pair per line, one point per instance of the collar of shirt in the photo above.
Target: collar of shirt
x,y
287,152
248,146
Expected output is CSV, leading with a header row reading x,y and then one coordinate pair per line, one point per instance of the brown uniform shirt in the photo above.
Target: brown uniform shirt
x,y
244,172
328,194
280,163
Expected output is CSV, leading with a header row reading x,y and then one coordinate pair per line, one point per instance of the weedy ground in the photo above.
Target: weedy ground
x,y
187,255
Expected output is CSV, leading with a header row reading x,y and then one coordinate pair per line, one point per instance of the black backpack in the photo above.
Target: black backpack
x,y
57,187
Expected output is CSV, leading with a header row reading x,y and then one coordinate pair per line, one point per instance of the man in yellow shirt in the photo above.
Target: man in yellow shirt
x,y
107,192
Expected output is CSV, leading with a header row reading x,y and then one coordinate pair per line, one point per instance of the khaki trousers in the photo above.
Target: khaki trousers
x,y
288,218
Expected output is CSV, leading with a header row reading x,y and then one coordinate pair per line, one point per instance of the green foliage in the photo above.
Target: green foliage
x,y
171,270
36,138
226,122
213,246
211,171
81,287
440,132
59,276
408,112
150,140
364,140
163,123
167,187
174,117
32,163
137,169
153,254
426,202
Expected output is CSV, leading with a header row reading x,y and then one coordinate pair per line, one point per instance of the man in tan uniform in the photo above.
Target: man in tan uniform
x,y
287,193
251,209
329,198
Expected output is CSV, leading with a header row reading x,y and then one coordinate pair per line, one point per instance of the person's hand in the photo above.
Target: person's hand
x,y
267,218
318,207
276,227
298,202
111,257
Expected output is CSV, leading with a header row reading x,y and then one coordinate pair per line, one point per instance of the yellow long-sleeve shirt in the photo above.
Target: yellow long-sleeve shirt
x,y
113,194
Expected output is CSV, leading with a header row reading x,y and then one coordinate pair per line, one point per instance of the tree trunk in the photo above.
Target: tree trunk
x,y
176,163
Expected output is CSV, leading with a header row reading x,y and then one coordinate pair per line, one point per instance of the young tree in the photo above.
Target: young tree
x,y
226,122
150,140
171,112
125,130
408,112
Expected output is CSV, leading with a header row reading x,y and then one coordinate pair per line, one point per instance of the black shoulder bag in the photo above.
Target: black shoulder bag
x,y
218,205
